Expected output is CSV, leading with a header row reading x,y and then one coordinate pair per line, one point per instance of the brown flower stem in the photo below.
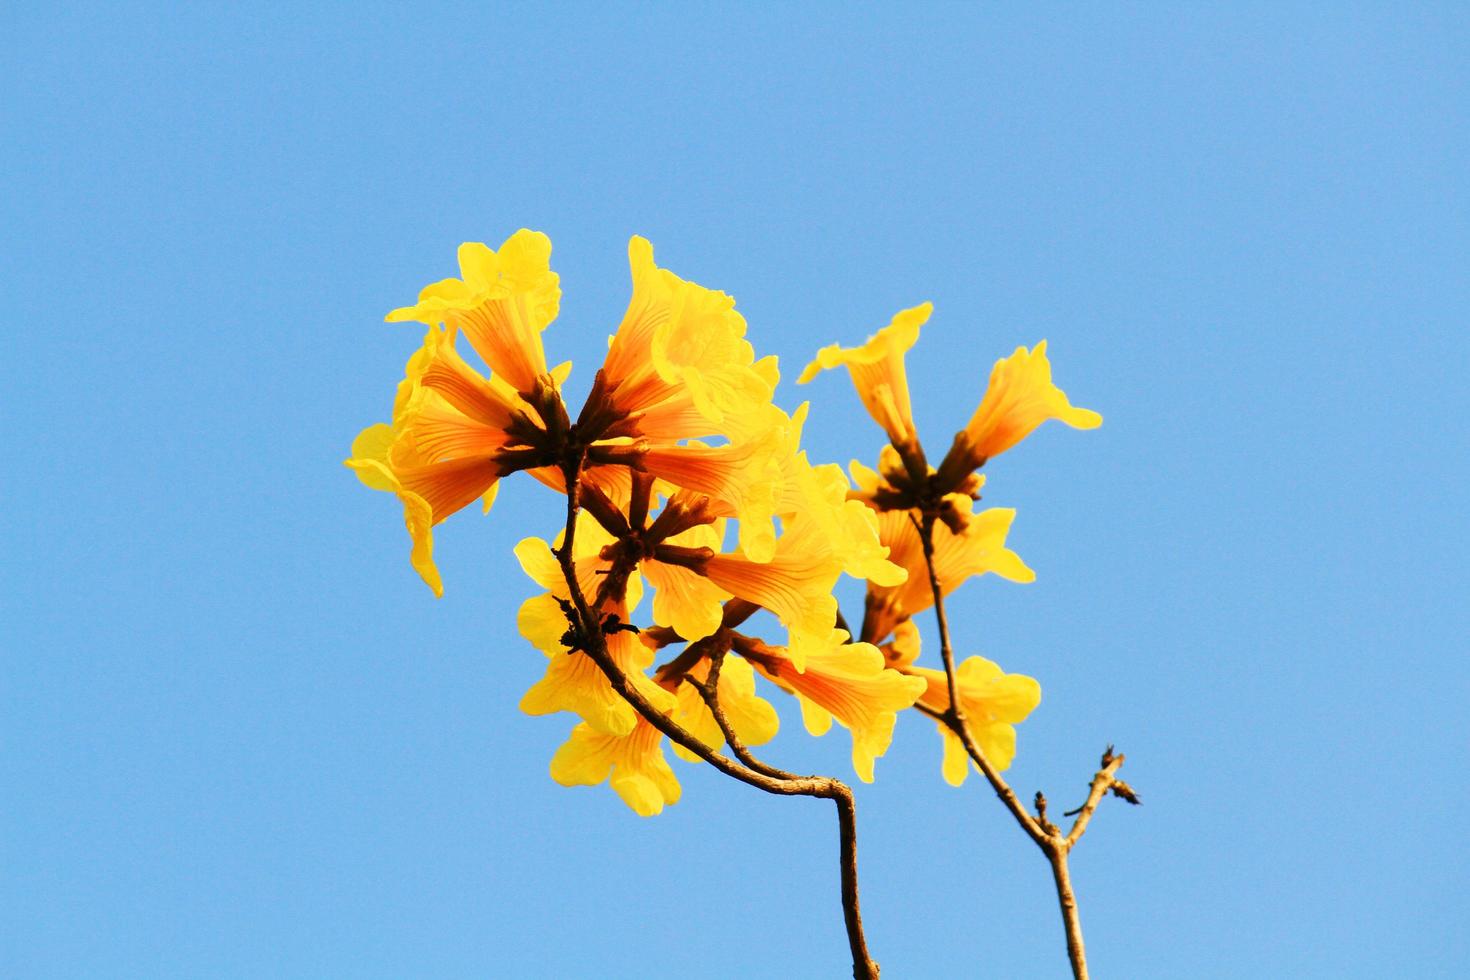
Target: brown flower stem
x,y
1102,782
1046,835
1076,953
954,717
588,626
1003,791
709,690
946,650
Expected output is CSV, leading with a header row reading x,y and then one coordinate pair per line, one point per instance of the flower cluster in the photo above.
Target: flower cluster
x,y
927,522
690,484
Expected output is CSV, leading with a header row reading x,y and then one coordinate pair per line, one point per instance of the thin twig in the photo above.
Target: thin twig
x,y
992,775
1042,831
1101,783
709,690
594,644
946,651
1067,899
954,717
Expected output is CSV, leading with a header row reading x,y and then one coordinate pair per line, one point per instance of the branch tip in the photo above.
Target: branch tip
x,y
1046,825
1125,792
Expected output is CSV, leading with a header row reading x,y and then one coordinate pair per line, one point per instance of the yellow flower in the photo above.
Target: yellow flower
x,y
683,599
432,456
820,495
635,761
454,434
824,536
979,549
848,681
740,480
752,716
501,303
573,681
679,365
993,703
1020,397
795,585
877,371
678,368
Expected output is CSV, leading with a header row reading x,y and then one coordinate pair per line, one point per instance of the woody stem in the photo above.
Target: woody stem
x,y
1050,839
953,717
946,649
709,690
589,625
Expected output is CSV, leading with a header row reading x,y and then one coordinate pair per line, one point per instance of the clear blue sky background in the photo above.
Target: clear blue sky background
x,y
241,739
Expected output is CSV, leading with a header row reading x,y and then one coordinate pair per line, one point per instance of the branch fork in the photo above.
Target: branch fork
x,y
589,631
1047,836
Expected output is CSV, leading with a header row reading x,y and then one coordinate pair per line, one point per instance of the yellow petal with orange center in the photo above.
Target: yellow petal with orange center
x,y
851,683
1019,398
501,303
877,369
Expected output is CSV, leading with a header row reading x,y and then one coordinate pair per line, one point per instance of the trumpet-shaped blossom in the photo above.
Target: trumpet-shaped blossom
x,y
795,585
993,703
633,763
456,432
978,549
573,681
678,367
683,599
1019,398
502,302
877,371
433,456
846,681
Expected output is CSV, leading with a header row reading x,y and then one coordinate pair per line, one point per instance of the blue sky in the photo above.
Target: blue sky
x,y
241,739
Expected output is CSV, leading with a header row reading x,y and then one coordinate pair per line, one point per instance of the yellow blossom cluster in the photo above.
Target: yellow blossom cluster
x,y
691,484
926,520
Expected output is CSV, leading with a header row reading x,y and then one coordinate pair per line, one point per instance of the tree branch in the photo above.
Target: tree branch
x,y
954,717
1071,920
1002,790
946,651
588,628
709,690
1042,831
